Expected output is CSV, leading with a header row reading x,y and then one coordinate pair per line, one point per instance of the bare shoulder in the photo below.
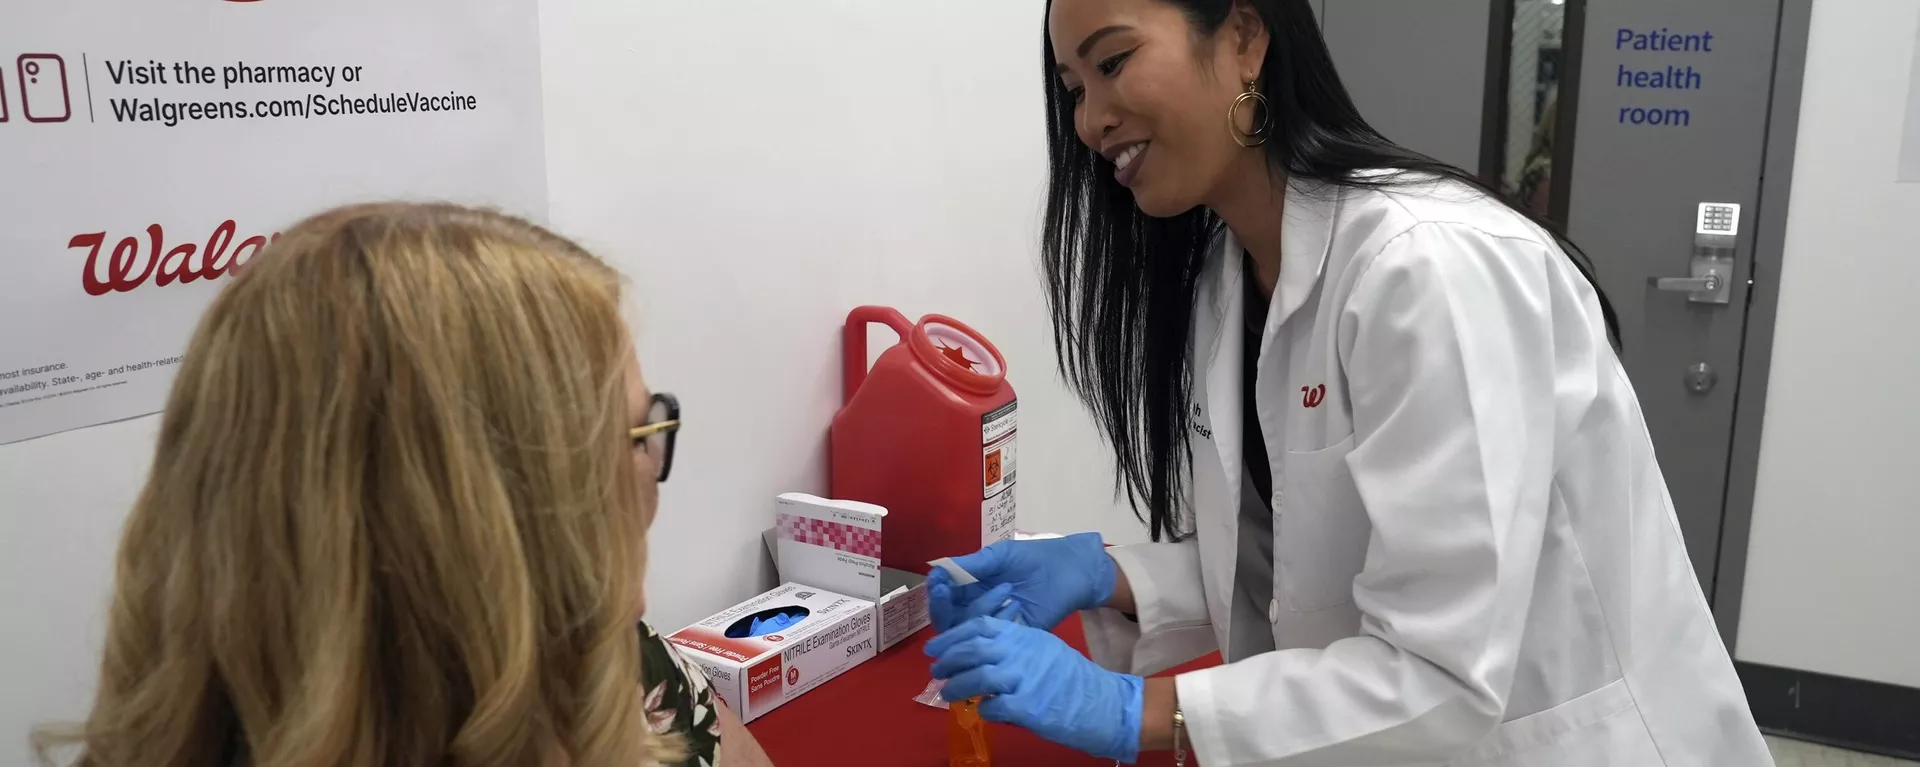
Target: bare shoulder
x,y
738,748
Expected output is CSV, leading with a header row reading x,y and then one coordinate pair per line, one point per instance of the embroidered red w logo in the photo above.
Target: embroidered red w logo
x,y
1312,396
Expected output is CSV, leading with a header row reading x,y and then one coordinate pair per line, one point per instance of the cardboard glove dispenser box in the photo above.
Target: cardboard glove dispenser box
x,y
828,555
835,545
755,674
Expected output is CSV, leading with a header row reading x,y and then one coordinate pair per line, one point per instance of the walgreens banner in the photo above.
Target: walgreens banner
x,y
149,147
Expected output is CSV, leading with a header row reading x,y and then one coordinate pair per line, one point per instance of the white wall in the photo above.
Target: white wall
x,y
762,166
1832,580
758,167
62,499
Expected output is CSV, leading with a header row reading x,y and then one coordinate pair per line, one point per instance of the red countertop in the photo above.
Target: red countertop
x,y
867,716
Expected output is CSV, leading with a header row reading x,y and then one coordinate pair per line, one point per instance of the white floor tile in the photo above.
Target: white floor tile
x,y
1793,753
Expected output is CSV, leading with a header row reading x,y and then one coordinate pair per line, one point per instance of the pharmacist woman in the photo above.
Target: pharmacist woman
x,y
1372,414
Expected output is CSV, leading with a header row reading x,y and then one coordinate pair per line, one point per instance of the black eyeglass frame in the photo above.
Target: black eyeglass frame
x,y
667,429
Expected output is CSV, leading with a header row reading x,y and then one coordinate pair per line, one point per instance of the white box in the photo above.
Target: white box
x,y
753,675
835,545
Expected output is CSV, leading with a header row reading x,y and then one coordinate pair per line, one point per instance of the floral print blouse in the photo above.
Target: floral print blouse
x,y
678,699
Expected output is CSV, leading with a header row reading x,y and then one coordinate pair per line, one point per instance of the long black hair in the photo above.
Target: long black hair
x,y
1121,284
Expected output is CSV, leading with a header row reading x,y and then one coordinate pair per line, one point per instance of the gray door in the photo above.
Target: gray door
x,y
1672,112
1619,119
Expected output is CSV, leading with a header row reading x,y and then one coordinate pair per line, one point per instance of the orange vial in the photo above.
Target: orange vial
x,y
967,735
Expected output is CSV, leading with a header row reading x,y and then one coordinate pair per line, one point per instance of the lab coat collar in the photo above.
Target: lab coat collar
x,y
1306,235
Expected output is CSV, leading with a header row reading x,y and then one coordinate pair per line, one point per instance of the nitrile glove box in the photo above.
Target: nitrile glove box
x,y
835,545
753,675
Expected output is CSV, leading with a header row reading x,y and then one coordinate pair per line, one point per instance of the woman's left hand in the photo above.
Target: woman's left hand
x,y
1035,680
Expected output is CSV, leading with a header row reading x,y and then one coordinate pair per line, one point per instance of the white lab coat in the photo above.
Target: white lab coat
x,y
1477,561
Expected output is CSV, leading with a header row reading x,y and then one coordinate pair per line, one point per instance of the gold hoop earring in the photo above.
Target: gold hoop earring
x,y
1258,135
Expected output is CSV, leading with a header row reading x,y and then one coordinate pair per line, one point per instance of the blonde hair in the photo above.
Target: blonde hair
x,y
392,518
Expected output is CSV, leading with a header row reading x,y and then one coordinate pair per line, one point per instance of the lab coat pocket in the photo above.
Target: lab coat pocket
x,y
1322,529
1599,729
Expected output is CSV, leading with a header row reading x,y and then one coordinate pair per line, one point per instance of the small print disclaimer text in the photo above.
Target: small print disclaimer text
x,y
50,381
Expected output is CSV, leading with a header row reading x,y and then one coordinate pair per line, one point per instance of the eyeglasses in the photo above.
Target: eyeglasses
x,y
660,433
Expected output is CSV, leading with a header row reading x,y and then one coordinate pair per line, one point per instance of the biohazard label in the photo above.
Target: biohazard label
x,y
998,470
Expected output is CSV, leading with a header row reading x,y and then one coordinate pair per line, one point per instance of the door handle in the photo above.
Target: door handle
x,y
1707,284
1707,287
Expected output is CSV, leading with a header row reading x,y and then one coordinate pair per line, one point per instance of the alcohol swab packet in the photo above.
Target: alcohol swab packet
x,y
961,577
931,695
959,574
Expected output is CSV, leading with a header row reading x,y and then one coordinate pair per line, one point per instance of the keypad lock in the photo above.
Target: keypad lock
x,y
1718,218
1716,239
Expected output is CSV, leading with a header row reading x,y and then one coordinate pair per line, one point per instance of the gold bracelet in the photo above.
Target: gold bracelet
x,y
1179,742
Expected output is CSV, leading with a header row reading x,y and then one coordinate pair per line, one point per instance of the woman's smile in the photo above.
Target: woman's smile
x,y
1127,160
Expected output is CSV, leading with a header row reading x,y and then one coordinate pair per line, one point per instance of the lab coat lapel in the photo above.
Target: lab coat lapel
x,y
1306,234
1216,428
1223,401
1219,393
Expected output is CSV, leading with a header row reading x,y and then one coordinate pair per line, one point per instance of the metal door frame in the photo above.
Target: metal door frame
x,y
1493,110
1763,301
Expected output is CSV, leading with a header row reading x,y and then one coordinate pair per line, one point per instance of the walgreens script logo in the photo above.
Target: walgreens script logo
x,y
134,260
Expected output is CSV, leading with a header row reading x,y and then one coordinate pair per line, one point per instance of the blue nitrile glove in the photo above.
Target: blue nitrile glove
x,y
945,610
1051,578
1035,680
779,622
